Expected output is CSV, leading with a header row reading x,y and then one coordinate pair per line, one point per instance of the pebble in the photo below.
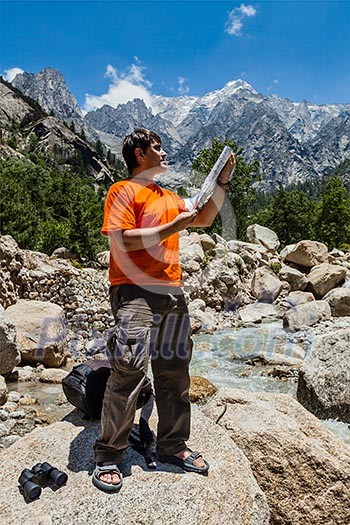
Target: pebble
x,y
3,430
17,414
3,414
7,441
13,396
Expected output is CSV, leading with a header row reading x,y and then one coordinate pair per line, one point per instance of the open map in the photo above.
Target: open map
x,y
209,184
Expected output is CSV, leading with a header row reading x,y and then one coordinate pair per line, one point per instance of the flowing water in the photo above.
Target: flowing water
x,y
260,358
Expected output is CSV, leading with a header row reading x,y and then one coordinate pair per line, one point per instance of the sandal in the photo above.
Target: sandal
x,y
188,463
103,485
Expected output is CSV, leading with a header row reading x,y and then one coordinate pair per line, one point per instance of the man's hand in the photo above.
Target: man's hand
x,y
184,220
227,169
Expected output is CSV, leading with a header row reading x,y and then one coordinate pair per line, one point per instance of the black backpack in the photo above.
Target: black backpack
x,y
85,385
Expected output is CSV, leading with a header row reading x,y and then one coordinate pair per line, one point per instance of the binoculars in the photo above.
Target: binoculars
x,y
30,478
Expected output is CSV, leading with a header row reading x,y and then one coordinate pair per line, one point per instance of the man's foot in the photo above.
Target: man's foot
x,y
188,460
107,478
184,454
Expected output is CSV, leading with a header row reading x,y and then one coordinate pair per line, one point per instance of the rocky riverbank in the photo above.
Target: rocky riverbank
x,y
285,314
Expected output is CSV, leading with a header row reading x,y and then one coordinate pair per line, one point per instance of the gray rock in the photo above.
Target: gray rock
x,y
13,396
166,495
324,277
261,235
3,390
62,253
7,441
306,253
207,242
9,352
41,331
306,314
303,469
255,312
296,279
265,285
3,414
103,259
339,301
52,375
17,414
324,379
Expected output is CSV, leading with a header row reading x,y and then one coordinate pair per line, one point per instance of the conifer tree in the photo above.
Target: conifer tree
x,y
334,217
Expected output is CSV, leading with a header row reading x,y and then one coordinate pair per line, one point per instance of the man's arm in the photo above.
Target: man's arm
x,y
207,214
141,238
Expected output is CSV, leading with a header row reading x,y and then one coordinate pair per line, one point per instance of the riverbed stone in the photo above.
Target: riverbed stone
x,y
296,279
306,253
52,375
265,285
261,235
324,378
303,469
306,314
339,301
256,312
201,388
41,331
3,390
324,277
9,352
229,496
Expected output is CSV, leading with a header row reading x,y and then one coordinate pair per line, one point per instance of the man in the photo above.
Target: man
x,y
143,222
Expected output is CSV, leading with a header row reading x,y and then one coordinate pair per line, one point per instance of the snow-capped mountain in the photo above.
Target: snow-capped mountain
x,y
291,140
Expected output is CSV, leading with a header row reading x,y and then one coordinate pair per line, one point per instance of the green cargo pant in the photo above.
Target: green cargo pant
x,y
149,327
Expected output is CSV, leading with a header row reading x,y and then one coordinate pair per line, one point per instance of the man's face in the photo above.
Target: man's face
x,y
154,157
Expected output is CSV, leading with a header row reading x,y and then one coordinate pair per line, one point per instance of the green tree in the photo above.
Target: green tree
x,y
334,216
241,192
72,126
99,148
292,215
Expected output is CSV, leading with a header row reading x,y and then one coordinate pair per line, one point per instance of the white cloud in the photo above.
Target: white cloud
x,y
183,88
9,74
273,84
125,85
234,22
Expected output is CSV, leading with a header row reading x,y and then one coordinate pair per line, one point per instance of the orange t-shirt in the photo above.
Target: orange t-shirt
x,y
140,203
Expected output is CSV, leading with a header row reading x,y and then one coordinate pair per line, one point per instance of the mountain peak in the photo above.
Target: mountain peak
x,y
233,86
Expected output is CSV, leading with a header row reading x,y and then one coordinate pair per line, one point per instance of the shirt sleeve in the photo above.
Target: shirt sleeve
x,y
119,211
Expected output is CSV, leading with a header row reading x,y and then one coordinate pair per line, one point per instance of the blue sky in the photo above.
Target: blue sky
x,y
115,50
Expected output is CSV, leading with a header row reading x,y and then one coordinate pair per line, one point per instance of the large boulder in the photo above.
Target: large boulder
x,y
306,253
302,468
324,277
229,495
41,331
257,234
339,301
11,261
9,353
265,285
296,279
306,314
324,378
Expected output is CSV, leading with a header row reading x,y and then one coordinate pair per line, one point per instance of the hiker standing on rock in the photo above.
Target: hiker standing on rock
x,y
143,222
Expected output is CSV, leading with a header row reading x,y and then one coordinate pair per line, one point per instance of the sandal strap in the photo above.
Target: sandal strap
x,y
193,456
107,468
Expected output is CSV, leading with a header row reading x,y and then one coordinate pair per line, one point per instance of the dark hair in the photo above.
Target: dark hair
x,y
139,138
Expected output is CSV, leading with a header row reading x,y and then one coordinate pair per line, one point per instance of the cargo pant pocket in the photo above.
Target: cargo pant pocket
x,y
129,348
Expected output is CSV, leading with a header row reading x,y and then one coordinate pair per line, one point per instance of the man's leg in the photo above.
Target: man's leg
x,y
129,355
170,367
